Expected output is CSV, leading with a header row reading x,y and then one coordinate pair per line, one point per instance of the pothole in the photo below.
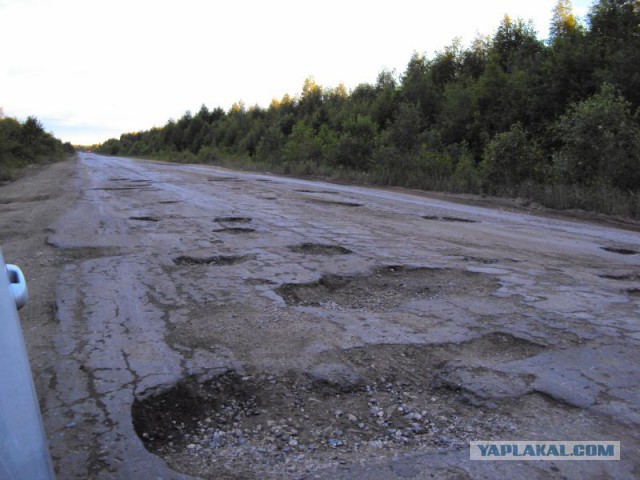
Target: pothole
x,y
500,346
145,219
485,261
633,292
37,198
304,190
386,287
82,253
319,249
378,400
620,277
449,219
621,251
232,219
338,203
223,179
107,189
458,219
168,202
259,281
219,260
234,230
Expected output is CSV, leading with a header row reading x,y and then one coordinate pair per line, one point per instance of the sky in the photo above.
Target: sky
x,y
90,70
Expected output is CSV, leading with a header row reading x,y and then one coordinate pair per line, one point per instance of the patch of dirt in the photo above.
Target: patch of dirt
x,y
37,198
218,260
382,400
319,249
385,288
67,254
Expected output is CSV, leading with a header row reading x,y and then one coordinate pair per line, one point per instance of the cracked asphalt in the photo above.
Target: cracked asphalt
x,y
494,323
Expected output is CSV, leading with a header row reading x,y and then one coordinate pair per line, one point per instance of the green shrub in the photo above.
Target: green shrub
x,y
600,142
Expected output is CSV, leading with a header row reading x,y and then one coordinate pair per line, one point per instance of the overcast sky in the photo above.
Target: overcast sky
x,y
90,70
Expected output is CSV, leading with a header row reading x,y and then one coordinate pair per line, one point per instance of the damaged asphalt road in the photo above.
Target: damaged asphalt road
x,y
217,324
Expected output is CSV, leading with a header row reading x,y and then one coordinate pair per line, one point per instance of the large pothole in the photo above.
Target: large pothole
x,y
234,230
448,219
378,400
621,251
233,219
386,287
145,219
319,249
220,260
337,203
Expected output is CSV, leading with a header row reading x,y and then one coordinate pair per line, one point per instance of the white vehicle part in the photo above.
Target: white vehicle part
x,y
18,286
24,453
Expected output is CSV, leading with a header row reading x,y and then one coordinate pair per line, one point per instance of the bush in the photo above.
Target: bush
x,y
466,177
600,142
357,143
510,159
26,143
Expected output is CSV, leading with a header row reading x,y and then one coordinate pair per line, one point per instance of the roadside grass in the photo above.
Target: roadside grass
x,y
12,168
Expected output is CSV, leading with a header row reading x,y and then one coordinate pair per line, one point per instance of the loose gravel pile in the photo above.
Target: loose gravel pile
x,y
263,425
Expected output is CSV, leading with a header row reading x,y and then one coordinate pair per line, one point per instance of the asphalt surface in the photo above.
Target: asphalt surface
x,y
173,271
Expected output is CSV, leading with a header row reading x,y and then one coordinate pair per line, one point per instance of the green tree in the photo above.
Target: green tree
x,y
466,178
270,146
615,36
404,130
515,44
600,142
357,143
9,139
563,21
418,88
301,145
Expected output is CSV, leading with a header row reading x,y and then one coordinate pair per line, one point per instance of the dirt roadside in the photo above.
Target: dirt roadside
x,y
28,206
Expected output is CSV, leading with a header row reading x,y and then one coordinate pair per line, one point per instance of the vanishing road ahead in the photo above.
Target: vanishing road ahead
x,y
195,321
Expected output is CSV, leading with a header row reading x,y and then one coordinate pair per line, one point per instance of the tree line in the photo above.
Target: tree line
x,y
25,143
554,121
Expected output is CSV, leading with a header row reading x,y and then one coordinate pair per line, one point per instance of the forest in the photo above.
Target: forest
x,y
27,143
553,121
